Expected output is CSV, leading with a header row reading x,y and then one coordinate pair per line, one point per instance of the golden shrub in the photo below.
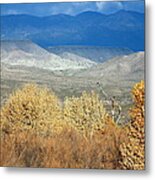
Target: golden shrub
x,y
85,113
133,153
31,107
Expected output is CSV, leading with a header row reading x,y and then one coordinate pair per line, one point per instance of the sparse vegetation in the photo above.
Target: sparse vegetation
x,y
37,131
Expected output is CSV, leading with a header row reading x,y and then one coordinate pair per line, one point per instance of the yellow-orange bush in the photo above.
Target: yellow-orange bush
x,y
132,153
31,107
85,113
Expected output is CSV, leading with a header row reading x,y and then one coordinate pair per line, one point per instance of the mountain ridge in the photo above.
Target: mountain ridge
x,y
30,54
119,68
89,29
98,54
87,12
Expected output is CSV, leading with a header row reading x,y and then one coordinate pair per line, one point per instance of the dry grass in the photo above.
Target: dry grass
x,y
68,149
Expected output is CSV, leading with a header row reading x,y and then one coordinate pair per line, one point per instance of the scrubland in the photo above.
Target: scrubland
x,y
38,130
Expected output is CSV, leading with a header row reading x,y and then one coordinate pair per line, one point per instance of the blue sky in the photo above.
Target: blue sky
x,y
46,9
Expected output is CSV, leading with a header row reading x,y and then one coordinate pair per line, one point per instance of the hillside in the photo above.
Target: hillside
x,y
94,53
122,67
116,76
26,53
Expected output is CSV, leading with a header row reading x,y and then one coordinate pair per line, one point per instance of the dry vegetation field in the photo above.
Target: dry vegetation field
x,y
39,130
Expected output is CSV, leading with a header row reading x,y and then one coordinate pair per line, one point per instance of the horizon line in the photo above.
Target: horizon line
x,y
27,14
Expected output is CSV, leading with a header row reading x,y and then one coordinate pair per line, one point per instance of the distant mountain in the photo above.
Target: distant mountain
x,y
116,76
93,53
122,29
118,70
26,53
124,20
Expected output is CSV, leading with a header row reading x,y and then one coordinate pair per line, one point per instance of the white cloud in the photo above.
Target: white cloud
x,y
72,8
109,7
100,5
46,9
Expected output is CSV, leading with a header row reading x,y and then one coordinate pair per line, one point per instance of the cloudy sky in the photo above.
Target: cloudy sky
x,y
46,9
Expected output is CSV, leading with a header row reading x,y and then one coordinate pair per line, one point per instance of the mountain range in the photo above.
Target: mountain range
x,y
97,54
29,54
123,29
126,67
70,70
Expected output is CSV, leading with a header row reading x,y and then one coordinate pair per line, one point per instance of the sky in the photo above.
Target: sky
x,y
71,8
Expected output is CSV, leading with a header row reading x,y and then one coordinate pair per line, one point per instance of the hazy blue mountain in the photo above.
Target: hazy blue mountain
x,y
122,29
